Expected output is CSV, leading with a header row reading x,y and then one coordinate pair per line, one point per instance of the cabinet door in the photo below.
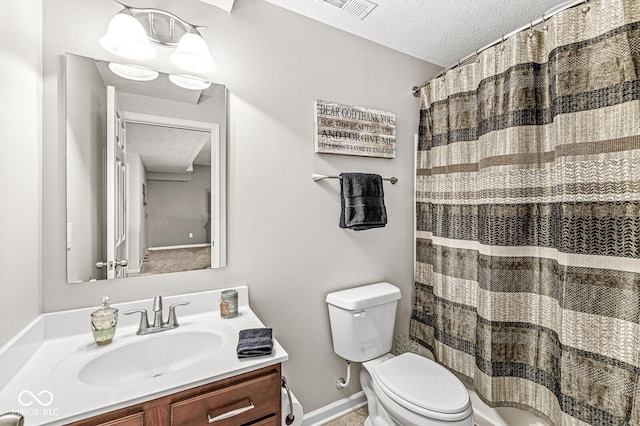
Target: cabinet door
x,y
231,406
132,420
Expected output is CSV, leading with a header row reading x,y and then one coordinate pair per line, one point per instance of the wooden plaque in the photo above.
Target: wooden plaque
x,y
352,130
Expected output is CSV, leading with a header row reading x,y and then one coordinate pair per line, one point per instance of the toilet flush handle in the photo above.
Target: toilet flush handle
x,y
360,314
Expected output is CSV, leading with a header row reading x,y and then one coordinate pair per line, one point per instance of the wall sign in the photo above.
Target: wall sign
x,y
351,130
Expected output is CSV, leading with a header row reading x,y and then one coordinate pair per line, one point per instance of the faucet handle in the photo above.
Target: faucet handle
x,y
157,303
144,322
11,419
173,319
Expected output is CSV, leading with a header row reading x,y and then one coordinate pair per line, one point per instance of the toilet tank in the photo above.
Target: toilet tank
x,y
362,320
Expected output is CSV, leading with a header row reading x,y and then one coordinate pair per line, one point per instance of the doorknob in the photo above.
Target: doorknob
x,y
123,262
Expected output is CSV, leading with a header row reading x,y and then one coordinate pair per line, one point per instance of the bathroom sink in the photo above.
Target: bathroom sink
x,y
147,357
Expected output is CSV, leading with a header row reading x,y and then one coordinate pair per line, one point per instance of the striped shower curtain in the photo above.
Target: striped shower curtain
x,y
528,219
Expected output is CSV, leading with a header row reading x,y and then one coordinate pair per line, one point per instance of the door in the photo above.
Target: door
x,y
116,189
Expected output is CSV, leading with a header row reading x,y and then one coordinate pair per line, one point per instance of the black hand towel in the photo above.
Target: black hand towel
x,y
254,342
362,201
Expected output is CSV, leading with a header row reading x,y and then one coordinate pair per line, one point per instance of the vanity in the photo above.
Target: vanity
x,y
57,375
248,399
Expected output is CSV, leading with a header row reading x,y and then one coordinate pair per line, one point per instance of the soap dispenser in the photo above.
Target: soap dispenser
x,y
103,323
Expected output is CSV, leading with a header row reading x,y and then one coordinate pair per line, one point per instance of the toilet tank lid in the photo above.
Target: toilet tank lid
x,y
364,296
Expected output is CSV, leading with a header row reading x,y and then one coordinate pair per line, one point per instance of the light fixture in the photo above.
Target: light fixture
x,y
189,82
192,54
133,72
132,31
126,37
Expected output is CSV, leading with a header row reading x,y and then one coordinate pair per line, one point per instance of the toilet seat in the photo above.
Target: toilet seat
x,y
423,387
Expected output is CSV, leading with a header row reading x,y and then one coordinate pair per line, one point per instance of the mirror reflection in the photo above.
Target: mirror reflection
x,y
145,174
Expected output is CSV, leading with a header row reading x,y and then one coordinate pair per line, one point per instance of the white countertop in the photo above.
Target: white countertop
x,y
45,386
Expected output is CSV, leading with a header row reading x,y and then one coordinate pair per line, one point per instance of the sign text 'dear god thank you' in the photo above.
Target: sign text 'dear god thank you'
x,y
351,130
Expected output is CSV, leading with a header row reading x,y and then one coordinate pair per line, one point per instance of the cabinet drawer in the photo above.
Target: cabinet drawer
x,y
132,420
269,421
231,406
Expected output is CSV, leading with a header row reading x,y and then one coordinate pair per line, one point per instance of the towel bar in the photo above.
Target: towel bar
x,y
318,176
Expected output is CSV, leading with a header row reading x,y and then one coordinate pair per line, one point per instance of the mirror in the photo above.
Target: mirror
x,y
145,174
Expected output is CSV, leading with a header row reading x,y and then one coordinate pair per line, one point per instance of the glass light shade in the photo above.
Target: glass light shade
x,y
133,72
192,54
126,37
189,82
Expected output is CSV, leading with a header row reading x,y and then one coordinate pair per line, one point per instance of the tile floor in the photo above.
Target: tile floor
x,y
355,418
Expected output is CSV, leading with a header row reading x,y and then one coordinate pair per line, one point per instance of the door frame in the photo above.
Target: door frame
x,y
218,179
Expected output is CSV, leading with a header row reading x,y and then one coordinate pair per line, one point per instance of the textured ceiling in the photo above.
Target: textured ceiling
x,y
437,31
168,149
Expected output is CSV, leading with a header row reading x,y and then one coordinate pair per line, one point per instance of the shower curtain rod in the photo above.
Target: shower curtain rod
x,y
545,16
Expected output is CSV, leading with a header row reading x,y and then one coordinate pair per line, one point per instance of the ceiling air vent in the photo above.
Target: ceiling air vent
x,y
356,8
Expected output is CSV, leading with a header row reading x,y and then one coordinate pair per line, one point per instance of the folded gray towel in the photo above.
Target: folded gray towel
x,y
254,342
362,201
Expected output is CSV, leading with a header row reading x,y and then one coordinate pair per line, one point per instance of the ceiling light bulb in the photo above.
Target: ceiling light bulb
x,y
133,72
192,54
126,37
189,82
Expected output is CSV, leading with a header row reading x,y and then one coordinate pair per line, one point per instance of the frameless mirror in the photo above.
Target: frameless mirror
x,y
145,174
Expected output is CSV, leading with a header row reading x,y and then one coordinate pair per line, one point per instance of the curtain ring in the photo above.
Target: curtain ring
x,y
586,7
459,67
531,29
502,44
477,56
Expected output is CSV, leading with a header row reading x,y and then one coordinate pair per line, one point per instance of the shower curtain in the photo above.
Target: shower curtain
x,y
528,218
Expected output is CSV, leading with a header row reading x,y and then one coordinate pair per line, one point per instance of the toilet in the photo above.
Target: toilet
x,y
403,390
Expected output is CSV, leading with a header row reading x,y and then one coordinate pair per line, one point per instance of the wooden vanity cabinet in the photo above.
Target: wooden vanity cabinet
x,y
251,398
132,420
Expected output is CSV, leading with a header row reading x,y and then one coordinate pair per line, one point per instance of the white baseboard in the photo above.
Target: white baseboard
x,y
179,246
334,410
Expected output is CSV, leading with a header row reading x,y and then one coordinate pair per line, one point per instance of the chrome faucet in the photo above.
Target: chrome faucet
x,y
157,312
158,324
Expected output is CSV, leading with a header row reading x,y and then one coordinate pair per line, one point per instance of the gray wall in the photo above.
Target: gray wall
x,y
176,208
283,235
209,109
20,164
86,118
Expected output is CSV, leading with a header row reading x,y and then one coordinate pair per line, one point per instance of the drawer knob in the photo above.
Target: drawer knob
x,y
231,413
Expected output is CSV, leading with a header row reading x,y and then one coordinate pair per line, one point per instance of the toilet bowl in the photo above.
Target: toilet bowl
x,y
407,390
398,393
